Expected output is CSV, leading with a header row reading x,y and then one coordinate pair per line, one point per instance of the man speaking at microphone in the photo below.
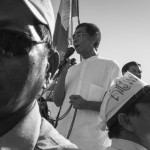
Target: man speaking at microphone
x,y
69,52
84,85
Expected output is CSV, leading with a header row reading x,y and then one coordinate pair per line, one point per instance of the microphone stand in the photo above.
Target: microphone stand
x,y
72,123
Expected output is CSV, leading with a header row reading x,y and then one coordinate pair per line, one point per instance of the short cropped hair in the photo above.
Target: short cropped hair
x,y
92,29
116,128
125,68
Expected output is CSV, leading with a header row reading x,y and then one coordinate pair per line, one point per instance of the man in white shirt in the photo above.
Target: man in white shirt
x,y
125,113
83,86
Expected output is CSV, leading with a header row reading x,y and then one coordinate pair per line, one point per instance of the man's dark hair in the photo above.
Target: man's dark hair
x,y
115,129
125,68
92,29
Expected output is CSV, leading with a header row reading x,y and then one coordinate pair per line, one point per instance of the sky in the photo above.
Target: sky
x,y
125,29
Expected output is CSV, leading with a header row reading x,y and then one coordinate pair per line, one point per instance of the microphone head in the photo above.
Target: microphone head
x,y
69,52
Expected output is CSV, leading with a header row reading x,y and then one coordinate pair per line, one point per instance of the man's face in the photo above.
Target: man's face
x,y
136,70
21,77
82,41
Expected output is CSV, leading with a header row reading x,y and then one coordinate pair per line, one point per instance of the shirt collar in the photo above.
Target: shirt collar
x,y
90,58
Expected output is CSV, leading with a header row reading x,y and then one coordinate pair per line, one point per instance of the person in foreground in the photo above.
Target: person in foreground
x,y
133,67
26,28
83,87
125,113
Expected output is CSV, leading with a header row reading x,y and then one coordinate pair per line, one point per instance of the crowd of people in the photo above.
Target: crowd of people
x,y
102,107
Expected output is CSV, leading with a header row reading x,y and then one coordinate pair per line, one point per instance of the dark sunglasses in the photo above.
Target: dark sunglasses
x,y
14,43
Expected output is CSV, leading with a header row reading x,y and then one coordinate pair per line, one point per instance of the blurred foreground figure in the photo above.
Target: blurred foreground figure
x,y
26,61
125,113
132,67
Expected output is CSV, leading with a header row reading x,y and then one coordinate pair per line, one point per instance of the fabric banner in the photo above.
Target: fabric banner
x,y
67,10
75,8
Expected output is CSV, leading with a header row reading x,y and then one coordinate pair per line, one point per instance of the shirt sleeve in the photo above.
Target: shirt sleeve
x,y
116,71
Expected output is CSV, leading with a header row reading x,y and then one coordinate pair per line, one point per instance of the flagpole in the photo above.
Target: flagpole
x,y
70,33
78,11
72,123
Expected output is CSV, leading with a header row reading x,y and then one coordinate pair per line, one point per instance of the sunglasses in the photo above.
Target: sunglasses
x,y
79,35
13,43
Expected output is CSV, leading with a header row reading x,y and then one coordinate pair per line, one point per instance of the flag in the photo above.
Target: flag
x,y
67,10
75,8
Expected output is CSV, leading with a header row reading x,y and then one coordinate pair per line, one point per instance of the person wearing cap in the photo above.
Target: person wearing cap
x,y
125,113
26,61
83,86
132,67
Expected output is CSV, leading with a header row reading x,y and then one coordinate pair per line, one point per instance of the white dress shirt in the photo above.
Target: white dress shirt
x,y
89,79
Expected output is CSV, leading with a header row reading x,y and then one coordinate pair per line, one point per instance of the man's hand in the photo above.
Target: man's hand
x,y
78,102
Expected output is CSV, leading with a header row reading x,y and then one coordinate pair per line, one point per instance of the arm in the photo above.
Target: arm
x,y
116,72
94,105
59,89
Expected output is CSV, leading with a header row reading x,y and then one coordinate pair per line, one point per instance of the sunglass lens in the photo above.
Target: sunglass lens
x,y
12,44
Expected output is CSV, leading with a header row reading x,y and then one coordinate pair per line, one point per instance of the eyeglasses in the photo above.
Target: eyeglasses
x,y
14,43
79,35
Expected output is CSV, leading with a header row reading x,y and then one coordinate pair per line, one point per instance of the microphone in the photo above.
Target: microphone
x,y
73,61
69,52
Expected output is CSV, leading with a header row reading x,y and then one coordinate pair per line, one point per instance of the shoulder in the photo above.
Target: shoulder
x,y
50,138
109,62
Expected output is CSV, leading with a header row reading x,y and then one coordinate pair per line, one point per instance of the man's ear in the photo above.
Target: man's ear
x,y
95,37
125,122
53,64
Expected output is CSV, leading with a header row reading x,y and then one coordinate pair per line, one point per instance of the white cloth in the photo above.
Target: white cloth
x,y
121,144
90,79
34,133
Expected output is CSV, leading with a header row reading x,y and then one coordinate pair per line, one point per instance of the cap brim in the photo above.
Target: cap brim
x,y
43,12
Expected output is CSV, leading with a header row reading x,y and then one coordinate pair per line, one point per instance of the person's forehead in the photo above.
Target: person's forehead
x,y
15,15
